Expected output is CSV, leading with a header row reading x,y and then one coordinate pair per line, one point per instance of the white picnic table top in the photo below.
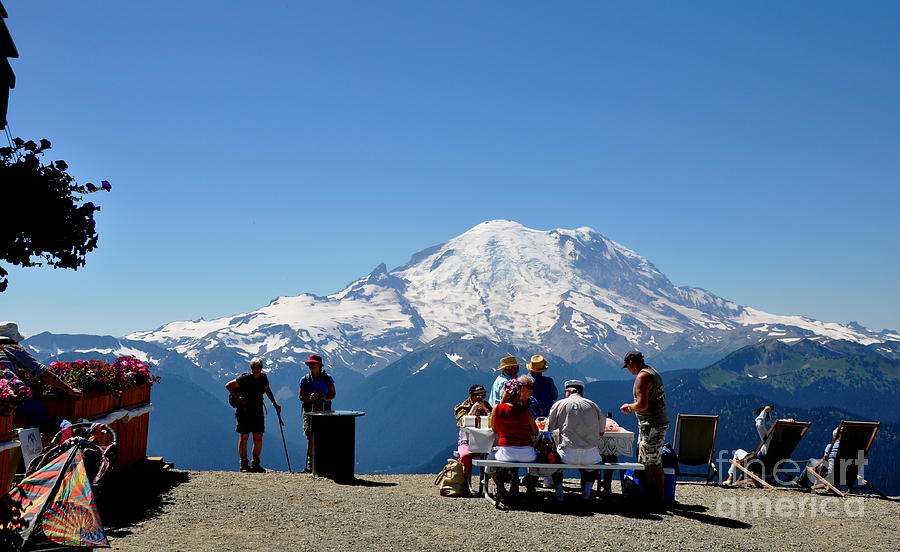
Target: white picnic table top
x,y
618,443
602,466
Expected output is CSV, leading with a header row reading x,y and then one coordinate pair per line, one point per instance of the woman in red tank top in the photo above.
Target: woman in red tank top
x,y
514,426
515,429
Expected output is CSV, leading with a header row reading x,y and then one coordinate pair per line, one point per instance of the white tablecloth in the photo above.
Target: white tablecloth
x,y
480,439
620,443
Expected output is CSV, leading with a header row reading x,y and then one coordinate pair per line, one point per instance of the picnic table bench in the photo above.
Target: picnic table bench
x,y
489,466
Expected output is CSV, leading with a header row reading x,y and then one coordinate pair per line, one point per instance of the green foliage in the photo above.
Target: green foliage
x,y
46,220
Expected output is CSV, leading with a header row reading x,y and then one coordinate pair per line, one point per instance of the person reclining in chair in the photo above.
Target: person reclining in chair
x,y
824,468
765,419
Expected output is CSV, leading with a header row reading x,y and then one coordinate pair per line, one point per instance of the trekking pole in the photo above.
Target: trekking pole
x,y
283,441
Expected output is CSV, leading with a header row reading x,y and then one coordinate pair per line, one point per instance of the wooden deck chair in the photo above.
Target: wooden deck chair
x,y
856,441
780,442
695,443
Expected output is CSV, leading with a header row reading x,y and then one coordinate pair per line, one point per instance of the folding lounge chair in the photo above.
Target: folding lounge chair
x,y
695,444
780,442
856,441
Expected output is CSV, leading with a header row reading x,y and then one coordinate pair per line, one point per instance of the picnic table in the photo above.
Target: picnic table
x,y
612,445
489,466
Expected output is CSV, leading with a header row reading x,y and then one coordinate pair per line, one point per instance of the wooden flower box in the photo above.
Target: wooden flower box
x,y
132,446
6,425
92,406
138,395
6,472
59,406
6,457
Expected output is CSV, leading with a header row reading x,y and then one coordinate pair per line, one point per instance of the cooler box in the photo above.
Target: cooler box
x,y
632,484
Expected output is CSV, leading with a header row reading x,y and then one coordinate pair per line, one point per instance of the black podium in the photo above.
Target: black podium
x,y
333,435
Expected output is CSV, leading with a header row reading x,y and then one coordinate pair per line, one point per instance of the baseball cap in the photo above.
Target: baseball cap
x,y
633,356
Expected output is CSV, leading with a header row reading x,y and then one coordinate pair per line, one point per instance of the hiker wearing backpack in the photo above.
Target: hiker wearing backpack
x,y
316,393
247,397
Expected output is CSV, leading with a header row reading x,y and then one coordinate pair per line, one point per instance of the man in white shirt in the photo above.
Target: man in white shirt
x,y
577,425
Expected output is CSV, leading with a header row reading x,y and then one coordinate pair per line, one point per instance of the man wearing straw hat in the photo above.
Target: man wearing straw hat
x,y
509,369
545,391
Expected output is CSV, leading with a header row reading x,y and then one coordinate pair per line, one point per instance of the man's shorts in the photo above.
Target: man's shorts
x,y
650,443
250,420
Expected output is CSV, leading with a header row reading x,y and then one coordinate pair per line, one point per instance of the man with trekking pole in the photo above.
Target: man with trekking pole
x,y
247,397
316,393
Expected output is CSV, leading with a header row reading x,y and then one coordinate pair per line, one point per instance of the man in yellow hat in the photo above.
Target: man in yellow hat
x,y
545,391
509,369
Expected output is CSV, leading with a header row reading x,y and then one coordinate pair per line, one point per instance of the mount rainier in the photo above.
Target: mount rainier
x,y
571,293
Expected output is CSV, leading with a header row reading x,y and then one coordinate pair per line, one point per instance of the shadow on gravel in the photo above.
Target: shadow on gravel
x,y
134,495
617,506
697,513
575,506
357,482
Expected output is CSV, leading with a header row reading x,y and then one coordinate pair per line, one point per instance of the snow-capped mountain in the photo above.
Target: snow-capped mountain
x,y
572,293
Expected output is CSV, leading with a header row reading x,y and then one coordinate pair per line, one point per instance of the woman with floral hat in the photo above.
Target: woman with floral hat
x,y
515,428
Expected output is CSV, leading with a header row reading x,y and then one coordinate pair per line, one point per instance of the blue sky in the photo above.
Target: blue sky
x,y
259,149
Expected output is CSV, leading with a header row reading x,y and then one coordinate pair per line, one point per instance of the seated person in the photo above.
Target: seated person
x,y
515,429
15,361
475,405
826,467
526,398
765,419
578,424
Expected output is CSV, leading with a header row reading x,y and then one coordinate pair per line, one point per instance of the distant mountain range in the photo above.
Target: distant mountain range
x,y
811,373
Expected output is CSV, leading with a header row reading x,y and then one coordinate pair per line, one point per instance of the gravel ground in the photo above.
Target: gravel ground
x,y
226,511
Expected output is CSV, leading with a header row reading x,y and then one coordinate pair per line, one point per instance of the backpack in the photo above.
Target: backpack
x,y
546,449
306,381
451,480
669,458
